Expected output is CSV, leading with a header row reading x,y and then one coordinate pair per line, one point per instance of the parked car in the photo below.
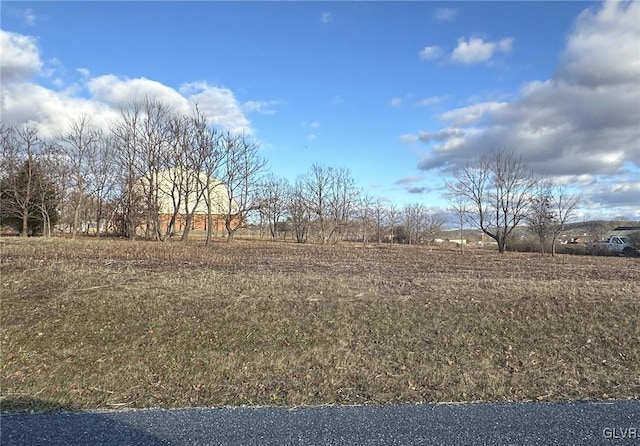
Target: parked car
x,y
618,245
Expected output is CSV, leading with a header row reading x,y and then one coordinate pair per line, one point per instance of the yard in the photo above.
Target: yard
x,y
88,324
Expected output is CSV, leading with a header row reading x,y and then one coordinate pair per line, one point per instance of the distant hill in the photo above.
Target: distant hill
x,y
588,230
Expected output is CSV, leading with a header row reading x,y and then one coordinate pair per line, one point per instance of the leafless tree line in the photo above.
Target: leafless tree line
x,y
325,205
121,175
151,152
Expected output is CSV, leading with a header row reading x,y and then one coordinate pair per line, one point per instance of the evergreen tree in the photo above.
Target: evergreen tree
x,y
28,193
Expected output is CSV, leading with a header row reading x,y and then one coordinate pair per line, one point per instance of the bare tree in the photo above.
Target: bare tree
x,y
210,155
378,215
8,148
126,134
141,135
393,217
78,146
342,202
241,169
552,208
153,142
299,210
102,178
365,214
317,184
332,197
173,179
46,193
433,222
413,216
193,148
459,206
274,198
498,188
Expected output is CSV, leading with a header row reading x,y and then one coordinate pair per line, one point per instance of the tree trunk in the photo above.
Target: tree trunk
x,y
207,242
187,227
76,219
25,224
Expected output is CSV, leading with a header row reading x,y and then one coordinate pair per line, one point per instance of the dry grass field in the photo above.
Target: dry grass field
x,y
89,324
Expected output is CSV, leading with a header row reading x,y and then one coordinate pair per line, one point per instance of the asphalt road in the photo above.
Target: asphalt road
x,y
574,423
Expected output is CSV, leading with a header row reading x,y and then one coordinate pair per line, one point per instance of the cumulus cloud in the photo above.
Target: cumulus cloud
x,y
430,52
473,113
603,47
20,60
22,100
440,135
219,104
115,91
476,50
50,111
581,123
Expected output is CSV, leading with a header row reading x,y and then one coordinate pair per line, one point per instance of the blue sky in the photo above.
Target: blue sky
x,y
398,92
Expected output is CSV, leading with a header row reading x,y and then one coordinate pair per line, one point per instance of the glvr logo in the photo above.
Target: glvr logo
x,y
618,433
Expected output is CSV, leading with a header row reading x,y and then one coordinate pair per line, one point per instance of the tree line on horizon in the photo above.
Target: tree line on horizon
x,y
85,174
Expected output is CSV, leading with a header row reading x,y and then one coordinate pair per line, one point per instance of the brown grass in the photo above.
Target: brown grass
x,y
89,324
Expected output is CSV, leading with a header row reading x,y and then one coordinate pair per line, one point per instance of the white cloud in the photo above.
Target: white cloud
x,y
613,199
219,104
581,124
604,46
442,135
115,91
445,14
476,50
471,114
99,97
50,111
20,59
430,52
